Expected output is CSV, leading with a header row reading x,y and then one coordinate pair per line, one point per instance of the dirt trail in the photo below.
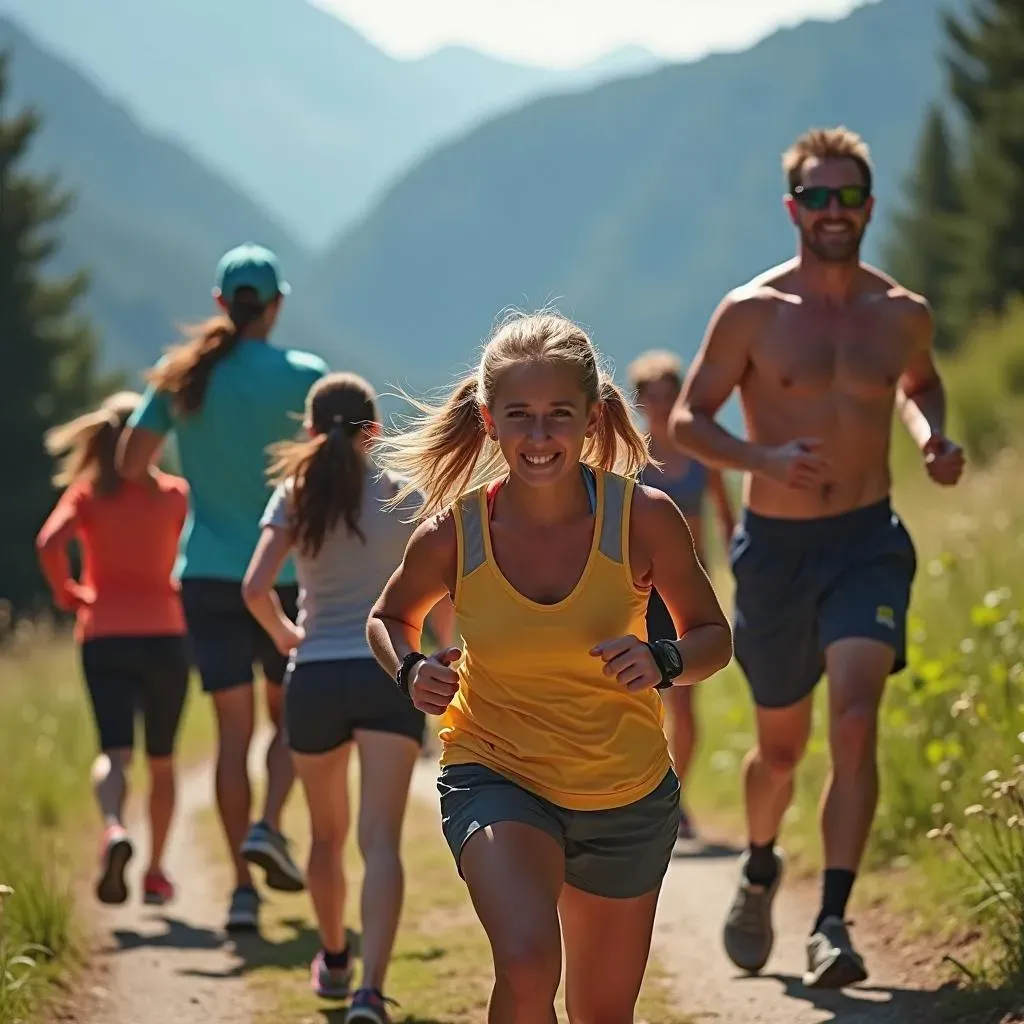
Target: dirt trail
x,y
688,943
170,965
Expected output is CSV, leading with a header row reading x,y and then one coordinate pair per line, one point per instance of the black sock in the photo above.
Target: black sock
x,y
335,960
761,866
835,892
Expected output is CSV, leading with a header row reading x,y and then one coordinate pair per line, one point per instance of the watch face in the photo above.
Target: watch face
x,y
672,657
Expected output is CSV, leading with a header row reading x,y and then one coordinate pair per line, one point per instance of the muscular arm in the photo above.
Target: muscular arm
x,y
719,367
920,396
705,640
395,626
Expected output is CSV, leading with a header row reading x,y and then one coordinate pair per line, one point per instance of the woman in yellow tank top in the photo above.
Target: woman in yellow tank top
x,y
557,793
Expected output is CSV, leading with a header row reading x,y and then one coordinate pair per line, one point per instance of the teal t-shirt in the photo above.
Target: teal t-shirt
x,y
255,397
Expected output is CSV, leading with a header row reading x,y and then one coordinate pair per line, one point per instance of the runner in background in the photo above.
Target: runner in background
x,y
129,623
656,378
558,798
328,509
823,349
226,394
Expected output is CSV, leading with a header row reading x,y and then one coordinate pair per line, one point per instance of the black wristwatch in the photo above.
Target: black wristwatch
x,y
409,662
669,661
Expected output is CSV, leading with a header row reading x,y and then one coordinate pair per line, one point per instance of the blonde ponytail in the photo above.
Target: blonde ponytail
x,y
87,445
445,451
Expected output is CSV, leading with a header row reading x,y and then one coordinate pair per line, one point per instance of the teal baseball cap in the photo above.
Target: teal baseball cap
x,y
250,266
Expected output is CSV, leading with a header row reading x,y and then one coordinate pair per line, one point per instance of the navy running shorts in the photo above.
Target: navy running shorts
x,y
803,584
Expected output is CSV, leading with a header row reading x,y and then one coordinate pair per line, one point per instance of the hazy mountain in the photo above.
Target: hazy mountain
x,y
285,99
149,221
636,205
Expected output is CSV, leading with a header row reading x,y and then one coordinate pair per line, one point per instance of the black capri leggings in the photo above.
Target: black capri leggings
x,y
132,675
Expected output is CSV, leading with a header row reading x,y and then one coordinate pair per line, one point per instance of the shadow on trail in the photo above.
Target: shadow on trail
x,y
179,935
880,1004
705,851
253,952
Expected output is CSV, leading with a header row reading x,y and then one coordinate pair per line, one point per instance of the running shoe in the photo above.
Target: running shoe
x,y
369,1005
244,910
832,962
749,935
116,852
268,849
157,888
330,982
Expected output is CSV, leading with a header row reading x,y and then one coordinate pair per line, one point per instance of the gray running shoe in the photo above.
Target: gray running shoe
x,y
268,850
749,935
244,911
832,962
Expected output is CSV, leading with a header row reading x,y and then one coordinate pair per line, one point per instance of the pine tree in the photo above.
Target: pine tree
x,y
986,71
919,252
47,353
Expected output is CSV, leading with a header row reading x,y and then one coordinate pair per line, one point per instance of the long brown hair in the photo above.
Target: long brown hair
x,y
446,451
184,373
86,446
327,472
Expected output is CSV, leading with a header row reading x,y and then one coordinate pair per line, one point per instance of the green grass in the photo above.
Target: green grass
x,y
441,971
50,824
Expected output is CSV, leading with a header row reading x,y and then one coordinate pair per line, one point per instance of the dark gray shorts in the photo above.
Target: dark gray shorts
x,y
326,701
621,853
803,584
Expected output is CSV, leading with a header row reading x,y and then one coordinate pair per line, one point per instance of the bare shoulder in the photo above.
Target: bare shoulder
x,y
899,300
170,484
435,539
759,298
654,514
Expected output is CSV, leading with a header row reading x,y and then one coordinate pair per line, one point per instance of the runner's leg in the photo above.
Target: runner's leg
x,y
514,873
607,944
386,761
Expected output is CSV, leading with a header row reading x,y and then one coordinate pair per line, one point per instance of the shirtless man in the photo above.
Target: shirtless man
x,y
823,349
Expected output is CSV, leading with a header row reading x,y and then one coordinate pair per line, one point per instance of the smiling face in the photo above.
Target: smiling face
x,y
540,417
831,208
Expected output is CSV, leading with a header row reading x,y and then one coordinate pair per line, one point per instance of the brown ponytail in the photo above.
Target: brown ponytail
x,y
327,472
87,445
185,371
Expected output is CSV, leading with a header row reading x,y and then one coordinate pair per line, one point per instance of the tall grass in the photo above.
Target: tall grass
x,y
48,823
950,724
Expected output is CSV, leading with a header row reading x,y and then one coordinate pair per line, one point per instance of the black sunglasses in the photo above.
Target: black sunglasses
x,y
817,197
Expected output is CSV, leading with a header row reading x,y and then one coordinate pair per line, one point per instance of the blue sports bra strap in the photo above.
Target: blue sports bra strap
x,y
590,482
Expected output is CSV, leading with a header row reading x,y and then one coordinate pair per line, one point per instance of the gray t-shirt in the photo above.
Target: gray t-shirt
x,y
340,585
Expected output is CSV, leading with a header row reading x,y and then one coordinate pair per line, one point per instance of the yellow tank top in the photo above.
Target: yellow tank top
x,y
533,704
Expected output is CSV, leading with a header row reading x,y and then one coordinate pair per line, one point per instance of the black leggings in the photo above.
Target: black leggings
x,y
130,675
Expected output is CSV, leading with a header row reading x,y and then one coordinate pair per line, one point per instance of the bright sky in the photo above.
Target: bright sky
x,y
569,32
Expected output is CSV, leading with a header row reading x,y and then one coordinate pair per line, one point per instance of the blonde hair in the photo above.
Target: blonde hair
x,y
650,367
86,446
446,451
826,144
328,470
